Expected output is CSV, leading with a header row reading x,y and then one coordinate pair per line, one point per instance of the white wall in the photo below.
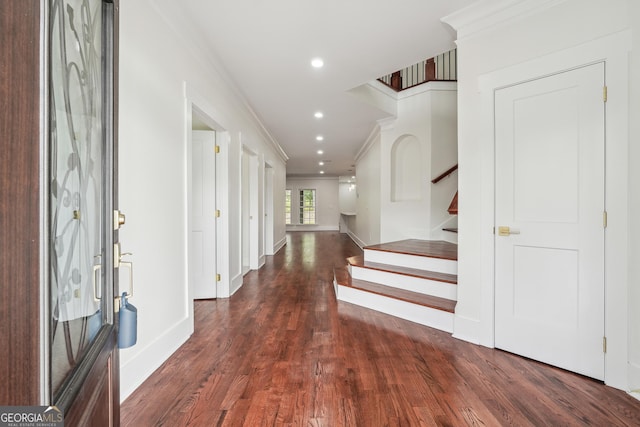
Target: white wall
x,y
347,197
508,41
162,74
427,122
327,203
364,228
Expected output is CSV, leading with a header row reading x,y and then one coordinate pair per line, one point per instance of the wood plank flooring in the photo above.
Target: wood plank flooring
x,y
283,352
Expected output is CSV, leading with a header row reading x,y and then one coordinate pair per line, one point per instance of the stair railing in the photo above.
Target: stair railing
x,y
445,174
439,68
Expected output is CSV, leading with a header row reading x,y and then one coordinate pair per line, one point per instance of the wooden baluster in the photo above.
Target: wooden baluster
x,y
396,81
430,70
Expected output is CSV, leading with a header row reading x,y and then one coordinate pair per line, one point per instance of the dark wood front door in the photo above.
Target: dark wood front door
x,y
83,249
58,200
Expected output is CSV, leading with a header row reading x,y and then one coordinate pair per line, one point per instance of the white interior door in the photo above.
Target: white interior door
x,y
202,258
549,290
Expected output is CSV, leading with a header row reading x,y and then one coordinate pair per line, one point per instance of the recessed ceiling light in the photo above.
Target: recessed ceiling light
x,y
318,115
319,138
321,163
321,172
353,177
317,63
320,152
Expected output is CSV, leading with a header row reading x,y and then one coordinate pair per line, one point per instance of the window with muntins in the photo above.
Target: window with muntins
x,y
287,207
307,206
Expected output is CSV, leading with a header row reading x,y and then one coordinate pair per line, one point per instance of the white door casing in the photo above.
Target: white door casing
x,y
549,177
202,259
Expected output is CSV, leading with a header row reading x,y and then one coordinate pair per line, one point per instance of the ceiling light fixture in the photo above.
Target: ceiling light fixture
x,y
318,115
321,163
317,63
320,152
321,172
319,138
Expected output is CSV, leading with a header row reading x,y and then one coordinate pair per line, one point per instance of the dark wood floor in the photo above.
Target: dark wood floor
x,y
282,352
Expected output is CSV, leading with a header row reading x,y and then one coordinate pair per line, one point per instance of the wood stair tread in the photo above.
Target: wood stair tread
x,y
425,248
358,261
343,278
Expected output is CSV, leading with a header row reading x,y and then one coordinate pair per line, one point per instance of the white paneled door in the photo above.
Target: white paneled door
x,y
549,224
202,258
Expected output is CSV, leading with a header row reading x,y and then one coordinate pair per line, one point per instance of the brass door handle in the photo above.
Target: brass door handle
x,y
506,231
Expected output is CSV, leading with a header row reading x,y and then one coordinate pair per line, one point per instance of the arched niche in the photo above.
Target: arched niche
x,y
406,169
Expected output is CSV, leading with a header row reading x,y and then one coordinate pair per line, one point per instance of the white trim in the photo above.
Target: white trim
x,y
209,114
236,283
361,244
466,329
311,227
373,137
279,245
137,369
492,14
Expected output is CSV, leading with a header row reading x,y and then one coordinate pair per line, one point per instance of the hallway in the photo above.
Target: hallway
x,y
282,351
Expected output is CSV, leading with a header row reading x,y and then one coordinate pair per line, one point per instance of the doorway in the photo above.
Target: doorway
x,y
549,208
203,212
250,211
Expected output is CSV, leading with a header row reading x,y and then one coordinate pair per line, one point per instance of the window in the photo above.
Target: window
x,y
287,207
307,206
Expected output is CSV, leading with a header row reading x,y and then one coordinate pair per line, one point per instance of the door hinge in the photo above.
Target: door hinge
x,y
217,213
604,344
217,149
218,278
604,93
604,219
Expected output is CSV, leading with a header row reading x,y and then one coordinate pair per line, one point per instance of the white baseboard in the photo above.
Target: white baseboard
x,y
356,240
313,228
466,329
236,283
634,379
134,371
279,245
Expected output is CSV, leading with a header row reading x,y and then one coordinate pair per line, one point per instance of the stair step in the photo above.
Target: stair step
x,y
426,248
425,281
439,256
343,278
359,261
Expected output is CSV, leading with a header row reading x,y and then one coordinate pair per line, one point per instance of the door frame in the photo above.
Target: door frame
x,y
613,51
195,103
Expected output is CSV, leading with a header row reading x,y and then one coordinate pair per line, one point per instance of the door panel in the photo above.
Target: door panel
x,y
82,175
549,286
203,266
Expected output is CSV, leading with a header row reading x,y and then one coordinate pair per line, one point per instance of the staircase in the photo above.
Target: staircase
x,y
412,279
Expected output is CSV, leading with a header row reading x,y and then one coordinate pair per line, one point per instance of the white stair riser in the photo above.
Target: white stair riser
x,y
409,283
427,316
412,261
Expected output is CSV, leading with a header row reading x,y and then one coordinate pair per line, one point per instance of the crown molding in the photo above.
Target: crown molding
x,y
485,14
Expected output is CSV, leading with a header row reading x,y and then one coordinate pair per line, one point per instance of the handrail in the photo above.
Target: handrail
x,y
445,174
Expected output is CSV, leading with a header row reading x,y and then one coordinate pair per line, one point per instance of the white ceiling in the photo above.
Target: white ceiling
x,y
266,48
